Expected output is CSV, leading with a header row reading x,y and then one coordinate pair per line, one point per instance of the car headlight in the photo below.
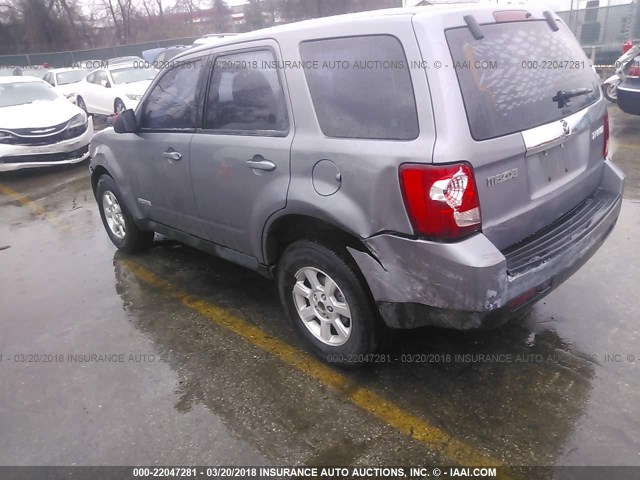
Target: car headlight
x,y
77,125
133,96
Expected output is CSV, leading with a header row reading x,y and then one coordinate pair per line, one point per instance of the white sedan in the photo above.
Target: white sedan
x,y
111,90
65,80
39,127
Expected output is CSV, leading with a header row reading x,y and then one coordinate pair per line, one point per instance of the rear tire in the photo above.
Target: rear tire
x,y
327,302
610,91
117,220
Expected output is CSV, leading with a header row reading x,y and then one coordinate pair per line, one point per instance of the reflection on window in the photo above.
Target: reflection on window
x,y
172,103
246,94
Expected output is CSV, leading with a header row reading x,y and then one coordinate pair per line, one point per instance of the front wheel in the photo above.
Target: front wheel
x,y
610,91
117,220
81,104
118,106
327,302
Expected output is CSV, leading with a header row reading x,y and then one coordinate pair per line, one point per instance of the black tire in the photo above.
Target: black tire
x,y
365,322
81,104
118,106
134,239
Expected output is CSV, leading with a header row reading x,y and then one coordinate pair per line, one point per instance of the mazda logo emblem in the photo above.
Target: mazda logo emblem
x,y
565,128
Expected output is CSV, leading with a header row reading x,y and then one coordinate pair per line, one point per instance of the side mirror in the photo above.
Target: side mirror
x,y
125,122
105,83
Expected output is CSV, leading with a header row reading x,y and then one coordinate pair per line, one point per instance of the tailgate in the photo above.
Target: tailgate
x,y
521,103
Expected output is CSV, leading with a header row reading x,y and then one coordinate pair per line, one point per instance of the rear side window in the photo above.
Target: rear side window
x,y
510,77
245,94
361,87
172,102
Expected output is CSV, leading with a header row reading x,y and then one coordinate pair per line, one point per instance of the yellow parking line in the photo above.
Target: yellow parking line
x,y
376,405
33,206
382,408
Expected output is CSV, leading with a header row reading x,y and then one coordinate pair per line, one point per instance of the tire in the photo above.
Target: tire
x,y
329,264
118,106
610,91
81,104
118,223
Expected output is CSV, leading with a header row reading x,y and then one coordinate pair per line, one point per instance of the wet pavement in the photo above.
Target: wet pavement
x,y
176,357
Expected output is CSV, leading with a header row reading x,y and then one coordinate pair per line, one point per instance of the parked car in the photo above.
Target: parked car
x,y
39,127
125,60
110,90
309,153
65,80
629,96
167,54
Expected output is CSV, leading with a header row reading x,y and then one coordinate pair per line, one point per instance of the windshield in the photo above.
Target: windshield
x,y
72,76
510,77
20,93
133,74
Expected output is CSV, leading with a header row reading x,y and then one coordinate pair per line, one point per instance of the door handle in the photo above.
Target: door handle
x,y
171,154
258,162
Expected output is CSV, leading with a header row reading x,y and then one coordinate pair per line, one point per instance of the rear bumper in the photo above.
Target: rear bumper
x,y
471,284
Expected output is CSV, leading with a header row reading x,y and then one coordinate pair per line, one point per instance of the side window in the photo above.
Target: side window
x,y
246,95
100,77
361,87
172,102
91,78
48,78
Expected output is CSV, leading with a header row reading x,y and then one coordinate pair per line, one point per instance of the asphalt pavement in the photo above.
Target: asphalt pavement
x,y
176,357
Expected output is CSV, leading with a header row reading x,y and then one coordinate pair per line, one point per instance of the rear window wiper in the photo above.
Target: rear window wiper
x,y
563,97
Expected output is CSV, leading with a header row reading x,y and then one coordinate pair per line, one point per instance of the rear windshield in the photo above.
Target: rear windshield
x,y
510,77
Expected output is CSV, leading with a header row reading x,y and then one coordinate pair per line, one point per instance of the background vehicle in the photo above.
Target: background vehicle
x,y
110,90
39,127
167,54
65,80
629,59
334,182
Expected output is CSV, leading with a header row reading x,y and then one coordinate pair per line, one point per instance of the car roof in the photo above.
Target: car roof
x,y
367,16
62,70
21,79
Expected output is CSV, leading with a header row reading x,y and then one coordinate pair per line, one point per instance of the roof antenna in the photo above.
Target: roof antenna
x,y
472,23
551,21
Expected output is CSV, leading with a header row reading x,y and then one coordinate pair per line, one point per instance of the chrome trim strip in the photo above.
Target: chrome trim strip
x,y
552,134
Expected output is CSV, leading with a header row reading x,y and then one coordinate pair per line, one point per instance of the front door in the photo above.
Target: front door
x,y
240,159
167,120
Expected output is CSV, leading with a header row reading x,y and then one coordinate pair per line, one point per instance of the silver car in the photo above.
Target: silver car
x,y
440,166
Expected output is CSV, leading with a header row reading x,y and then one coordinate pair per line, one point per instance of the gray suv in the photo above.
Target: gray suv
x,y
440,166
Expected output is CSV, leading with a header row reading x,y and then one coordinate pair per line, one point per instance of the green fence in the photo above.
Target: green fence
x,y
64,59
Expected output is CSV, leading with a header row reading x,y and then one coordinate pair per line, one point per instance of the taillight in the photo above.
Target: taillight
x,y
605,147
441,201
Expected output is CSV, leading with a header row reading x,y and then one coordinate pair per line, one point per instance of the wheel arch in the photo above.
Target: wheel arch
x,y
286,229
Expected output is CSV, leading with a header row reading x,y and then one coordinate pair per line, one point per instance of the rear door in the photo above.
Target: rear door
x,y
519,101
240,158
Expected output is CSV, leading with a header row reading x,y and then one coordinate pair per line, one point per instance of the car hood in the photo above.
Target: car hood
x,y
38,114
137,88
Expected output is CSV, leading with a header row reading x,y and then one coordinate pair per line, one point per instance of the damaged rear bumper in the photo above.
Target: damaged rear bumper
x,y
471,284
